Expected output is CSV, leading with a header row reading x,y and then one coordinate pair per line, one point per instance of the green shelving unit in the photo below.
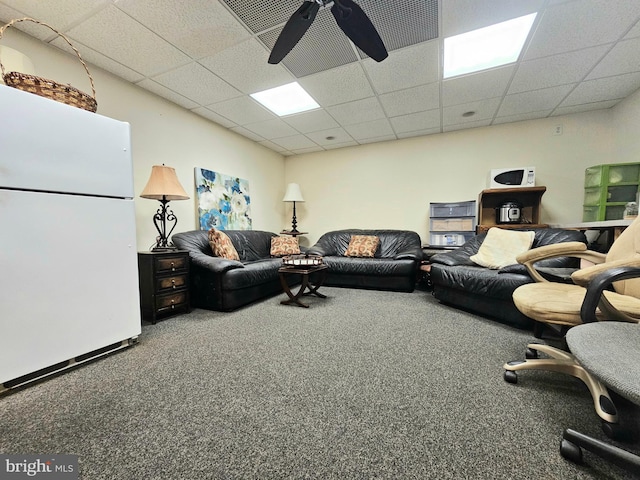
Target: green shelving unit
x,y
607,189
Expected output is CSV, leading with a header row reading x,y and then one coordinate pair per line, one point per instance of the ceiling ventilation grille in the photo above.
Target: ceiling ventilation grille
x,y
401,23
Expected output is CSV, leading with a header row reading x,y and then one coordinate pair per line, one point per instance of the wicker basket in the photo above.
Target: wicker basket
x,y
48,88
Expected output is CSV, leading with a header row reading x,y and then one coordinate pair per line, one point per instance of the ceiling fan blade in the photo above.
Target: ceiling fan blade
x,y
357,26
293,31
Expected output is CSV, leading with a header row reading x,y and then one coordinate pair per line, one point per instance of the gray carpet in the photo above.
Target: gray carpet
x,y
361,385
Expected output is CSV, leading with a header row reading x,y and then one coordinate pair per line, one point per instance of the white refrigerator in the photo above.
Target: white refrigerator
x,y
68,261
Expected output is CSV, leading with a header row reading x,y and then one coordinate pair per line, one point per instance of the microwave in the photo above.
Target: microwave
x,y
512,177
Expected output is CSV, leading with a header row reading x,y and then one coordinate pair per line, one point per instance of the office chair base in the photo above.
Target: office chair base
x,y
564,362
573,442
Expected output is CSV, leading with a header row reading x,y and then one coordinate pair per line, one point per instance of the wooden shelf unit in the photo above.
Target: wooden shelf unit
x,y
529,197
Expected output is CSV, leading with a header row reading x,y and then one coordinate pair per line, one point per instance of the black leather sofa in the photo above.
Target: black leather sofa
x,y
459,282
225,285
394,266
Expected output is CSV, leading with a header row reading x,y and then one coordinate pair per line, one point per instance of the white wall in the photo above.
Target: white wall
x,y
390,185
162,132
626,127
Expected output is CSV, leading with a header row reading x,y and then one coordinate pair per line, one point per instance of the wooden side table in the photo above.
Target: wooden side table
x,y
304,271
164,284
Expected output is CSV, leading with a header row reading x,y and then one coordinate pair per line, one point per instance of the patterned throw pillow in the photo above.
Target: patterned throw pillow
x,y
362,246
222,246
281,246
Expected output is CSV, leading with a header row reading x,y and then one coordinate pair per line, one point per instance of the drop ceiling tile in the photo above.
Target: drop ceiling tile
x,y
634,32
556,70
247,133
330,137
485,109
624,57
164,92
374,129
464,126
198,84
294,142
538,100
271,129
460,16
412,100
419,133
575,25
584,107
313,121
341,145
197,27
116,35
64,15
90,56
406,68
357,112
213,116
476,86
603,89
521,117
242,110
272,146
417,121
338,85
245,66
384,138
300,151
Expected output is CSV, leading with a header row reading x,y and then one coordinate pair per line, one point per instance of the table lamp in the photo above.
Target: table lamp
x,y
293,194
163,185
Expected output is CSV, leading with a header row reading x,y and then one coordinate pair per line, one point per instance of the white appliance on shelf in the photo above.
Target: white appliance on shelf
x,y
67,237
516,177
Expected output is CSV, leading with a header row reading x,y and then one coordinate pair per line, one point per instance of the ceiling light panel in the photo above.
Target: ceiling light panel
x,y
286,99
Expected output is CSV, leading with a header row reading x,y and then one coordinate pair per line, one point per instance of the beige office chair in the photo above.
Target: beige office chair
x,y
564,305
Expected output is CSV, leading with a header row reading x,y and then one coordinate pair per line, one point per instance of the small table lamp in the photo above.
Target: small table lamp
x,y
163,185
293,194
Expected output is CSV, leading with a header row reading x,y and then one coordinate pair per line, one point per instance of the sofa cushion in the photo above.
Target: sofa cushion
x,y
362,246
501,247
221,245
281,246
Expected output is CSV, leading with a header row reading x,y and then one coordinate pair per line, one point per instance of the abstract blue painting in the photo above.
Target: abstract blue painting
x,y
223,201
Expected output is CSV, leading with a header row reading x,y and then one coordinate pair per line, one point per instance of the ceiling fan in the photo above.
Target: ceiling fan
x,y
349,17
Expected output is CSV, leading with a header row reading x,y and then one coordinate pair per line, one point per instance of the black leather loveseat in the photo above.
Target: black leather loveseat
x,y
221,284
393,267
460,282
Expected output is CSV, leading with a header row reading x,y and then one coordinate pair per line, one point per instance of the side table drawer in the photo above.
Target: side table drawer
x,y
168,303
167,264
174,282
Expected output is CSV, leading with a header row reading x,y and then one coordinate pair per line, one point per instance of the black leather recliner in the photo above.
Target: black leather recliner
x,y
394,266
459,282
225,285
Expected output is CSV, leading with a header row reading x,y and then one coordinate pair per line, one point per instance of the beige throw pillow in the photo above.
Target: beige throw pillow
x,y
362,246
222,246
501,247
281,246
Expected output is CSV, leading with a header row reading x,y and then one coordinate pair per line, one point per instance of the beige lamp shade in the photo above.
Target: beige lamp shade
x,y
293,193
164,184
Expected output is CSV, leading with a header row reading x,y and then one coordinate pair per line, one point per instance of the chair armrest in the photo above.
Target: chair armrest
x,y
563,249
452,258
586,275
316,250
413,253
594,296
214,264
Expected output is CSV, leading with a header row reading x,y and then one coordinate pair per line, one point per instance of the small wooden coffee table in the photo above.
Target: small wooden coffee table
x,y
305,271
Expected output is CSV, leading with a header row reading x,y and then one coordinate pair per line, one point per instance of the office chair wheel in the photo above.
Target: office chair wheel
x,y
615,431
530,353
510,377
570,451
